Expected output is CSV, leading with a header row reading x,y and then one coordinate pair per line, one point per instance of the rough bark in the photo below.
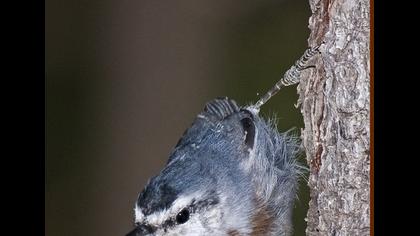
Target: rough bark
x,y
335,105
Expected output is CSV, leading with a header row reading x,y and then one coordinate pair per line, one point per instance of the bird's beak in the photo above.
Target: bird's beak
x,y
142,230
136,232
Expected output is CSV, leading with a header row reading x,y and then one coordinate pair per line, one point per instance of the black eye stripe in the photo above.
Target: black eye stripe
x,y
192,208
168,223
205,203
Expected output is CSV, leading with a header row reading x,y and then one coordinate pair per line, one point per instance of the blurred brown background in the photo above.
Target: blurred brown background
x,y
124,79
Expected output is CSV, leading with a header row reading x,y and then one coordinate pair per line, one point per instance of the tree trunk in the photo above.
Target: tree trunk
x,y
335,103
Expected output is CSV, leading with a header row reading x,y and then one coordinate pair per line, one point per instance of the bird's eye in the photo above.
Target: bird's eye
x,y
183,216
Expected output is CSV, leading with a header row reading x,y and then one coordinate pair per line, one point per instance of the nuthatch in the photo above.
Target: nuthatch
x,y
231,173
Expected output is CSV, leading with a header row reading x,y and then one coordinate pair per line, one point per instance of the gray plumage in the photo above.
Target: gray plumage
x,y
231,173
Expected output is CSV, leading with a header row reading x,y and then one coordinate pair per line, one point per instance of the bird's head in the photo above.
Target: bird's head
x,y
224,177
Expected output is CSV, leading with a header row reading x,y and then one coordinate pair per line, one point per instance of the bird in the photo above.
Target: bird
x,y
231,173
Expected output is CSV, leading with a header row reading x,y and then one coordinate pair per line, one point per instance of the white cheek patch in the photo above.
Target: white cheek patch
x,y
138,215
